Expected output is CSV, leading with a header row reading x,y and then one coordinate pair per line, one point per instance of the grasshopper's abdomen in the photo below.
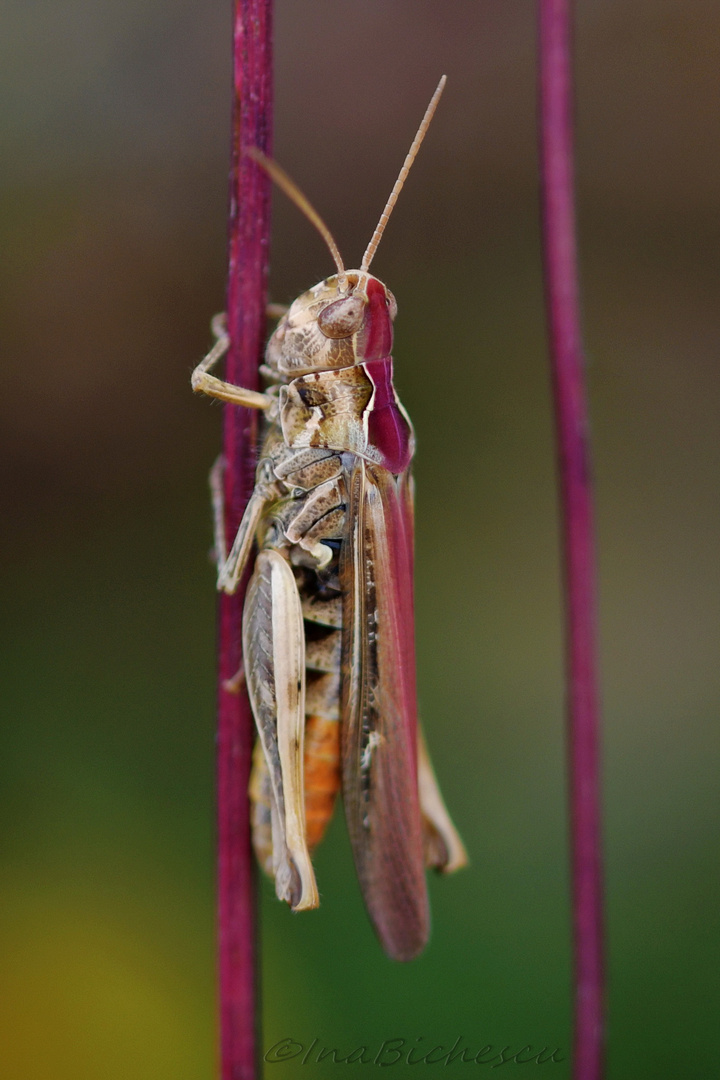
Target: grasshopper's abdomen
x,y
322,611
322,775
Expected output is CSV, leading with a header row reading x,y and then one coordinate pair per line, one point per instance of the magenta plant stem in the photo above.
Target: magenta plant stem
x,y
249,231
561,289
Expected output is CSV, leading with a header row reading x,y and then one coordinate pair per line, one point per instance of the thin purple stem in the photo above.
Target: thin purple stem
x,y
561,288
248,239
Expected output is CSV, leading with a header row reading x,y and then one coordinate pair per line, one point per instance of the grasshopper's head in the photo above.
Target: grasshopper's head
x,y
344,320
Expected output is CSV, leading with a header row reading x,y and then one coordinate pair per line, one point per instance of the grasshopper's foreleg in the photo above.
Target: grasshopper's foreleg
x,y
204,383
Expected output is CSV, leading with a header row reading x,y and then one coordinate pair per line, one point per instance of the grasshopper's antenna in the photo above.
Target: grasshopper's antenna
x,y
412,152
294,193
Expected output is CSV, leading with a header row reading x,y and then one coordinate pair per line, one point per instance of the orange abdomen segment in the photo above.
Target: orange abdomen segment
x,y
322,774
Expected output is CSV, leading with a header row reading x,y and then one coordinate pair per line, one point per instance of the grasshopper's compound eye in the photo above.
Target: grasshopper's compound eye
x,y
343,317
391,304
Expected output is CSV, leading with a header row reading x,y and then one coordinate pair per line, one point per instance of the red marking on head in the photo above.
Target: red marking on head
x,y
376,336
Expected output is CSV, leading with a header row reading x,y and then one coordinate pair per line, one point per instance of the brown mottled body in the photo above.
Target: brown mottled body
x,y
328,636
331,519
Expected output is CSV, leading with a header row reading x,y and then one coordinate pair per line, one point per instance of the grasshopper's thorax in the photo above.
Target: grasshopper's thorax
x,y
334,349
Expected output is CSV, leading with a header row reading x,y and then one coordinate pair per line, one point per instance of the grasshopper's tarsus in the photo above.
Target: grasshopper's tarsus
x,y
235,684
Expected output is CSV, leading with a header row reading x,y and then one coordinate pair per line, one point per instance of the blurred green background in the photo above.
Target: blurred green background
x,y
114,129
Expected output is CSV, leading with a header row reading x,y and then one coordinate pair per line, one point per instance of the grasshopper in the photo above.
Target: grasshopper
x,y
328,633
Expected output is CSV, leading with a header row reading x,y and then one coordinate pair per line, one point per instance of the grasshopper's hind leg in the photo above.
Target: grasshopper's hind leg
x,y
444,850
274,654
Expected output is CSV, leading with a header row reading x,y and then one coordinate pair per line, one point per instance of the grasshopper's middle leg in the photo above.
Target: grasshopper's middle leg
x,y
230,566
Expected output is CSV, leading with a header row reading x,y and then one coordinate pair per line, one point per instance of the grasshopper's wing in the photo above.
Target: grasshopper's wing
x,y
274,658
444,850
379,710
